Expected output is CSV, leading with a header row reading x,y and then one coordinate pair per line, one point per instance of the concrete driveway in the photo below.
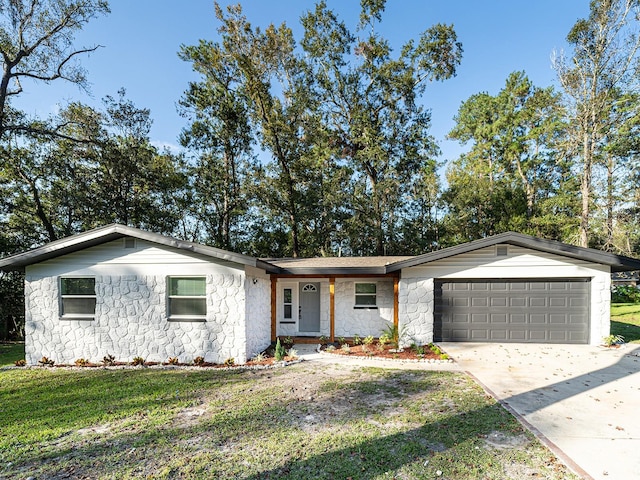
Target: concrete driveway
x,y
582,401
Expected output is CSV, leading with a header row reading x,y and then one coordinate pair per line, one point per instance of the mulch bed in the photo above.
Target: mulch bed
x,y
388,351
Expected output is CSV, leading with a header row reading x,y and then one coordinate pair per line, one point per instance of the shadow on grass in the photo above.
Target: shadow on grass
x,y
259,436
459,431
629,331
10,352
42,404
422,451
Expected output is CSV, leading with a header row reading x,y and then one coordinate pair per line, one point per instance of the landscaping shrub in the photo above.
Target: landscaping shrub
x,y
280,351
625,294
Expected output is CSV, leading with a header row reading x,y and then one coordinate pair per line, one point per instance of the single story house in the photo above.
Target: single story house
x,y
121,291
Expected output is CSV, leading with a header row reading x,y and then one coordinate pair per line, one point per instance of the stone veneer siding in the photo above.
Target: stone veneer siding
x,y
362,321
131,320
600,307
415,310
258,313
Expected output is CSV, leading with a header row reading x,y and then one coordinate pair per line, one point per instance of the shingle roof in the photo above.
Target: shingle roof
x,y
315,266
618,263
335,265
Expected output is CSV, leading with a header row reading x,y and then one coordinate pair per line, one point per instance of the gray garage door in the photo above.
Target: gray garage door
x,y
547,311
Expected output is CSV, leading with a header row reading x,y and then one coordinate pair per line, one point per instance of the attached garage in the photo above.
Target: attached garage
x,y
508,288
512,310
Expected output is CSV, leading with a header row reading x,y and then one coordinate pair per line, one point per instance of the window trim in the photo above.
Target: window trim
x,y
61,297
189,317
358,305
282,320
286,304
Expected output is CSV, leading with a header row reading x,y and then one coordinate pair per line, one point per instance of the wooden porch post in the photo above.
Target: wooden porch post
x,y
332,308
396,301
274,281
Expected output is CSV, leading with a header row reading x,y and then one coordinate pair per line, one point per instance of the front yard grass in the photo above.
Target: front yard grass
x,y
625,321
10,352
301,422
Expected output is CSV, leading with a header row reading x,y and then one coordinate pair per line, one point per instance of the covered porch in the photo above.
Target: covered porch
x,y
347,305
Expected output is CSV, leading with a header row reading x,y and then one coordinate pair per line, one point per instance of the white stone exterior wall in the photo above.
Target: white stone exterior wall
x,y
131,317
325,308
131,320
362,321
600,307
415,310
258,311
416,295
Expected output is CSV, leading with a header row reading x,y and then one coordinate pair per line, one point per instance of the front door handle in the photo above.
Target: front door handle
x,y
299,312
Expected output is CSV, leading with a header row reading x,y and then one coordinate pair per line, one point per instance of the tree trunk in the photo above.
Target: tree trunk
x,y
610,202
585,190
42,215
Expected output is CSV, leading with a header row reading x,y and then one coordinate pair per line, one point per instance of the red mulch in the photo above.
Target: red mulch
x,y
374,351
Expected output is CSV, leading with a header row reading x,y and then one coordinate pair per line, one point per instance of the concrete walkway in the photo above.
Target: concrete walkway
x,y
308,352
582,401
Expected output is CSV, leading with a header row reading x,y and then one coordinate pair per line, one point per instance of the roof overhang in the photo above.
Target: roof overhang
x,y
334,271
618,263
112,232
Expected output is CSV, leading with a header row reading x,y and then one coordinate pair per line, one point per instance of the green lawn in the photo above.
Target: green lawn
x,y
10,352
625,321
301,422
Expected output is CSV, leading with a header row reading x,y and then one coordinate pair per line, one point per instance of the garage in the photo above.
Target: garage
x,y
552,310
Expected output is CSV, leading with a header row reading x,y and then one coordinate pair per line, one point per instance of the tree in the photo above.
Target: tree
x,y
135,184
514,166
56,186
36,43
271,77
220,136
619,180
368,99
603,64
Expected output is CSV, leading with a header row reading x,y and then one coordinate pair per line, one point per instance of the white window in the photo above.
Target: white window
x,y
366,295
288,303
78,297
187,298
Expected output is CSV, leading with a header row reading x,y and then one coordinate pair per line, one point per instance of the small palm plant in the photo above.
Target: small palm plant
x,y
611,340
393,334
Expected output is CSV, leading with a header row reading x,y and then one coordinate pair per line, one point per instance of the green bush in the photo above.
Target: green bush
x,y
625,294
280,351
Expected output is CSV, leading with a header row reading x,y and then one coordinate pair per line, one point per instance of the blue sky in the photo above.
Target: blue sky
x,y
141,39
